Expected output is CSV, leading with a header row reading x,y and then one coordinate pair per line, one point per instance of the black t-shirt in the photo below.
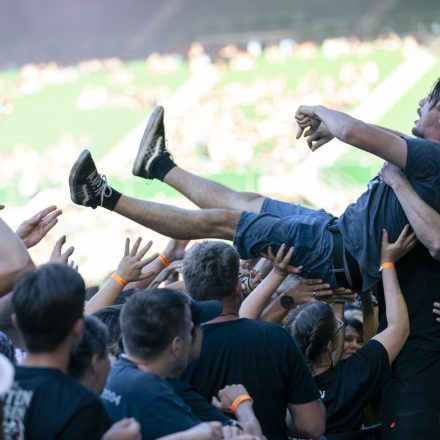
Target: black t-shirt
x,y
46,404
261,356
198,404
362,222
348,386
419,278
131,392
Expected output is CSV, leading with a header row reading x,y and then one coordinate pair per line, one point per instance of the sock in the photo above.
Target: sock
x,y
109,202
162,166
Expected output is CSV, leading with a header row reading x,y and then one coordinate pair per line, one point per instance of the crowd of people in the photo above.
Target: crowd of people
x,y
259,340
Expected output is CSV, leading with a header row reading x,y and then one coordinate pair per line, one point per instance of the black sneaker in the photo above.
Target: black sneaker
x,y
152,145
87,187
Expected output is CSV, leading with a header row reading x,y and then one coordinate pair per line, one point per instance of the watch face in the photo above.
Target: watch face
x,y
287,302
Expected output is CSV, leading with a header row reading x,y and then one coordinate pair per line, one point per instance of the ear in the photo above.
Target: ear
x,y
78,330
176,346
94,363
238,288
330,346
14,320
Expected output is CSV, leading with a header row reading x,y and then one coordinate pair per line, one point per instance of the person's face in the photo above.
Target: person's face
x,y
428,125
352,342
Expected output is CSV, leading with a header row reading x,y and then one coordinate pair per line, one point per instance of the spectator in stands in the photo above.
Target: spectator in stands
x,y
243,351
346,387
353,337
48,305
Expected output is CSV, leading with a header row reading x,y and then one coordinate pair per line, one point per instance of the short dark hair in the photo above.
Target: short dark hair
x,y
312,326
434,95
356,324
150,320
94,341
109,316
210,270
47,302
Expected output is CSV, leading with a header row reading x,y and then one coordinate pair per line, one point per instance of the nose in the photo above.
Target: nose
x,y
422,101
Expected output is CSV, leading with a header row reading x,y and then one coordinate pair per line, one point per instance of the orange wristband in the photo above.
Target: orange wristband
x,y
164,260
238,400
119,280
387,265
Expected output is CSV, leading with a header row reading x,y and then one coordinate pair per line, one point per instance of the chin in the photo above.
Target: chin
x,y
416,132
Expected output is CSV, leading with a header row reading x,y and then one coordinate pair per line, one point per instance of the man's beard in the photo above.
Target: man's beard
x,y
416,132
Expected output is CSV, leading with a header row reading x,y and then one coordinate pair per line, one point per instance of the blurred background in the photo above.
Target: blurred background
x,y
86,73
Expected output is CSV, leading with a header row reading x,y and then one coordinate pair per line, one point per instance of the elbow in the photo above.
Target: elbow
x,y
434,250
313,427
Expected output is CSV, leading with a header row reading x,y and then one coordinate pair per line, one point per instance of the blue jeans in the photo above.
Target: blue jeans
x,y
303,228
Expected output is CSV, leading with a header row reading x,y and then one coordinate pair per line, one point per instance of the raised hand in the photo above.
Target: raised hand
x,y
282,264
130,267
250,280
33,230
306,118
309,290
175,249
60,257
340,296
391,174
316,138
404,243
166,273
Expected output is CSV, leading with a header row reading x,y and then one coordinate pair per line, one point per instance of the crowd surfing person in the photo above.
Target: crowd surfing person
x,y
342,252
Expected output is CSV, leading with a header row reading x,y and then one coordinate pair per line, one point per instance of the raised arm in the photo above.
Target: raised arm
x,y
14,258
370,138
394,336
424,220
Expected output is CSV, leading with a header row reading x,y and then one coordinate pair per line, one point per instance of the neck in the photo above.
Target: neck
x,y
322,364
230,311
153,366
58,359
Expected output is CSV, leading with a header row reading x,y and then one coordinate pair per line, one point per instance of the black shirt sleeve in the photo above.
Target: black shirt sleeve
x,y
89,423
423,159
302,387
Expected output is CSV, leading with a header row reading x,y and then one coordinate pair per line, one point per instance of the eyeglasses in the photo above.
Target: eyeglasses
x,y
340,325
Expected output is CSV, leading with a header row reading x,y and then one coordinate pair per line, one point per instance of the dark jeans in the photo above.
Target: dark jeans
x,y
303,228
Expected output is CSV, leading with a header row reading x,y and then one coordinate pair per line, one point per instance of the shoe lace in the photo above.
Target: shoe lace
x,y
100,186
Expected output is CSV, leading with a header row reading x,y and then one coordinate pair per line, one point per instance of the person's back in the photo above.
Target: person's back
x,y
45,403
264,359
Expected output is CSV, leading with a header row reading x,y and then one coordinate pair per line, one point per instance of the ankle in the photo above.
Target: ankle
x,y
109,201
162,166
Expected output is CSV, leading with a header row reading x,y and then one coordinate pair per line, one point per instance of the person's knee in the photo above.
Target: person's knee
x,y
220,223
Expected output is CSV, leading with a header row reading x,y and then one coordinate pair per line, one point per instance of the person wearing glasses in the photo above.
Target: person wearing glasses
x,y
345,388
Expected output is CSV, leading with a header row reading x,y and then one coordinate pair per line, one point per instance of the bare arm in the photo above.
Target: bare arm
x,y
308,419
424,220
394,336
374,140
14,258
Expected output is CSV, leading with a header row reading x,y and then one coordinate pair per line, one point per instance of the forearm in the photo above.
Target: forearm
x,y
255,302
246,417
338,310
424,220
274,312
395,306
106,296
14,258
374,140
369,318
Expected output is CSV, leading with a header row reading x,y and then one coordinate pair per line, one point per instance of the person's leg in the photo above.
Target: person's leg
x,y
208,194
89,188
183,224
154,161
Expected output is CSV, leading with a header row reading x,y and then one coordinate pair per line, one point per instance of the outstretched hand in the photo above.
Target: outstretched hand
x,y
281,264
404,243
130,267
33,230
60,257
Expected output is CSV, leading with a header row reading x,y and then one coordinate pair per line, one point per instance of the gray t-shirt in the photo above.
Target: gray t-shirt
x,y
362,222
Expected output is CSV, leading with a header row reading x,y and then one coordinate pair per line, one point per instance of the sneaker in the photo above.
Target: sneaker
x,y
152,145
87,187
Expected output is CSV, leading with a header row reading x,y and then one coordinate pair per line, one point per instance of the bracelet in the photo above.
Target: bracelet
x,y
119,280
164,260
387,265
238,400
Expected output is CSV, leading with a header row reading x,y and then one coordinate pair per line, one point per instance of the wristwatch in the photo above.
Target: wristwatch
x,y
287,301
